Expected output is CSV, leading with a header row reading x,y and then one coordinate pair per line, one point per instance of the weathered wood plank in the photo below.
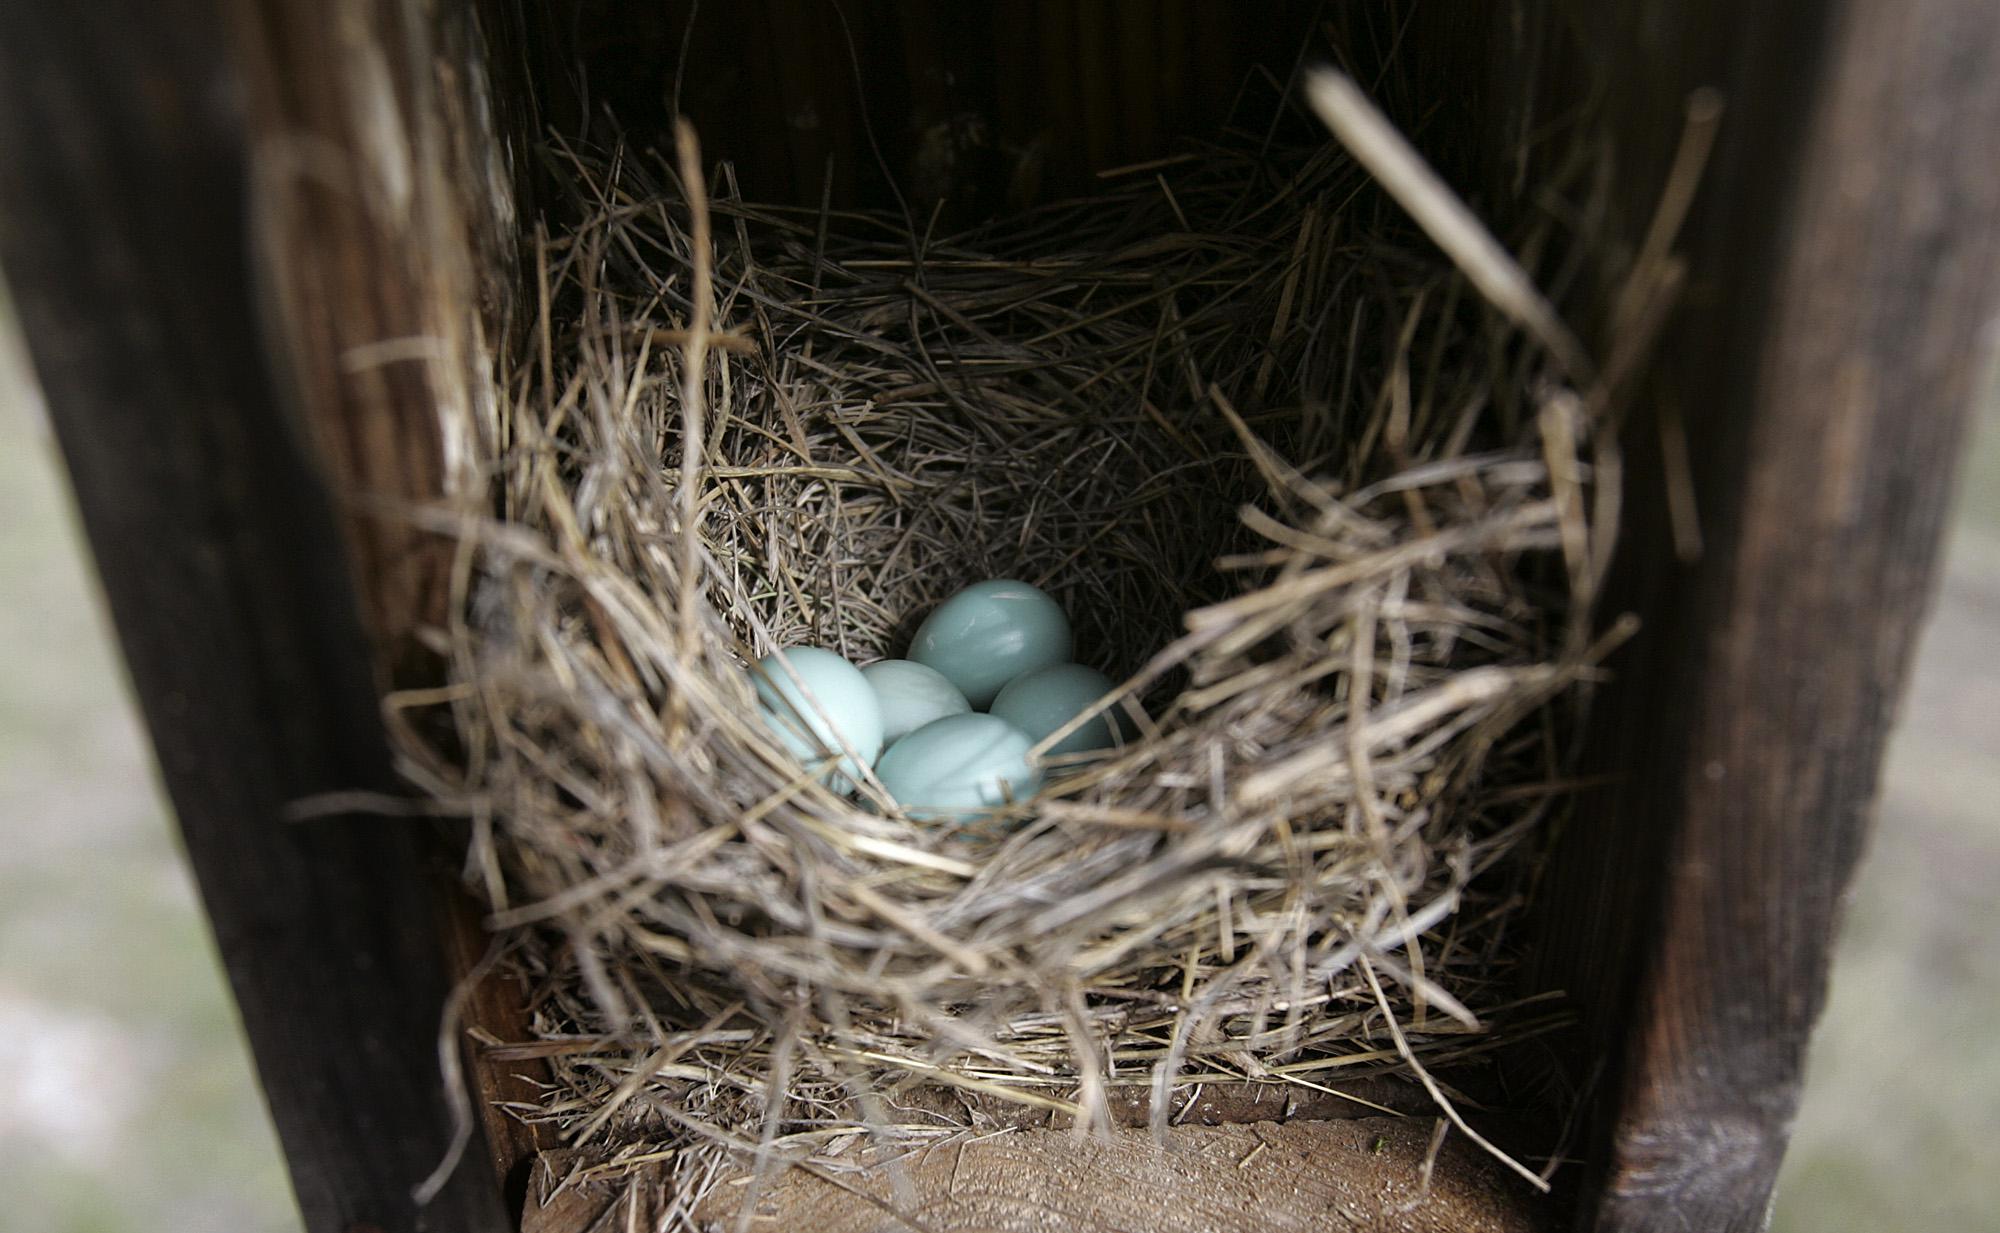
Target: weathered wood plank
x,y
495,1010
124,215
384,220
1364,1176
1843,265
389,165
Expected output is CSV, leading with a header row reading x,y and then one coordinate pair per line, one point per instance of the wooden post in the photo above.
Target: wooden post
x,y
124,233
1844,260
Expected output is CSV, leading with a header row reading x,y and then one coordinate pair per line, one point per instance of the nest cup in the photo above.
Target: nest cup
x,y
1319,510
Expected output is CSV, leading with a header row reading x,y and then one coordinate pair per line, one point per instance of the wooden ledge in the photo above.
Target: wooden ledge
x,y
1362,1175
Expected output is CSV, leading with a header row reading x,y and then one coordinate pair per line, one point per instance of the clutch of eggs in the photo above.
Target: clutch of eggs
x,y
1000,646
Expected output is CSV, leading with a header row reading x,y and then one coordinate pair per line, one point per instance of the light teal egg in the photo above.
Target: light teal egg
x,y
955,767
911,696
1048,698
837,705
990,633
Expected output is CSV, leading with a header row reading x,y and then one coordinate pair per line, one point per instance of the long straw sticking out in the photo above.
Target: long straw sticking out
x,y
1437,1094
1396,165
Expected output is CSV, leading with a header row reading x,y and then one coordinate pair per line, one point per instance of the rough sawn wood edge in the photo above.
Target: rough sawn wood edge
x,y
1370,1175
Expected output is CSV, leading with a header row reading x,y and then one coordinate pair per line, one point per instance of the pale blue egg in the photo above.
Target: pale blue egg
x,y
837,706
1046,699
912,695
954,768
990,633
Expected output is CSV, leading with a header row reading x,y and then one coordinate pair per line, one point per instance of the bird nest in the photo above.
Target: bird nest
x,y
1332,520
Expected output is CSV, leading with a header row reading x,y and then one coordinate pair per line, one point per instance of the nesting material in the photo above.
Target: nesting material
x,y
1323,514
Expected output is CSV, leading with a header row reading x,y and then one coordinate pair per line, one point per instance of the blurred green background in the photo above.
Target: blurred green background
x,y
131,1106
129,1102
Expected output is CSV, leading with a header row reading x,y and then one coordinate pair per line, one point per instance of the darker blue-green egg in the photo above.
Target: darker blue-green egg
x,y
1043,701
988,634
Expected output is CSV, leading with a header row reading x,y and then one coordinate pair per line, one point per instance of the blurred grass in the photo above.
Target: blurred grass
x,y
131,1101
1902,1101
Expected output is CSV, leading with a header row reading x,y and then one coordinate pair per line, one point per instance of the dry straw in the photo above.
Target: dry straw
x,y
1322,510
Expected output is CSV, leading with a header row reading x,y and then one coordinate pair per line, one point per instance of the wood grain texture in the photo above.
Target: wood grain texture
x,y
495,1010
386,223
1843,260
390,154
124,217
1359,1176
981,105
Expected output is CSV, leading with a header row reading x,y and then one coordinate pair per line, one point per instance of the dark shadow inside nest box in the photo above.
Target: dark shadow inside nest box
x,y
971,110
